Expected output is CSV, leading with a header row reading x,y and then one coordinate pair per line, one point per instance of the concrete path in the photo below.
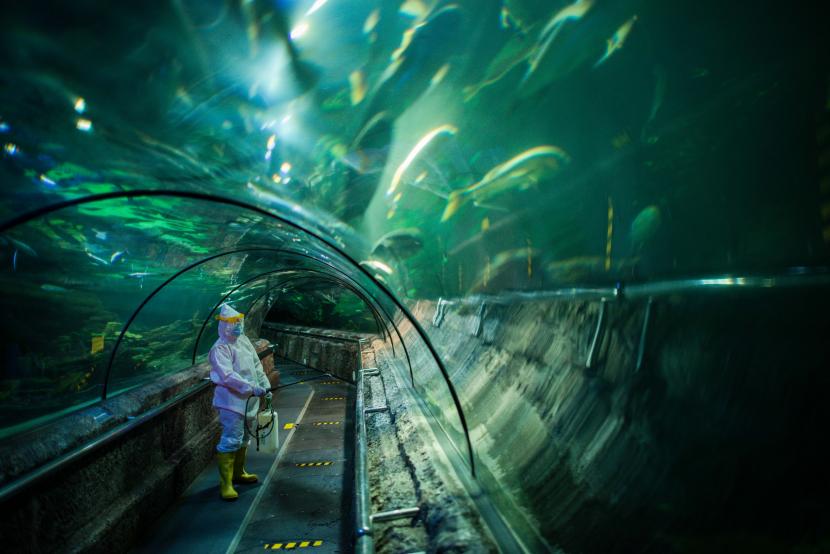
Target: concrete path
x,y
305,495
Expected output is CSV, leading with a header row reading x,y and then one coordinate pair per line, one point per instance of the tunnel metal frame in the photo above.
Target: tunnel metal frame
x,y
391,342
158,289
341,284
192,195
295,277
181,272
336,282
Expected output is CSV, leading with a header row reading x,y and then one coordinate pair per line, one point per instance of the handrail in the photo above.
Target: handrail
x,y
225,297
803,277
159,288
364,542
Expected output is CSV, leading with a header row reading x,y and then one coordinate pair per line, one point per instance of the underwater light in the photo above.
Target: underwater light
x,y
83,125
300,30
316,6
80,105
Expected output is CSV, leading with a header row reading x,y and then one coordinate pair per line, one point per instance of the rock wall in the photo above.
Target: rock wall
x,y
714,442
334,352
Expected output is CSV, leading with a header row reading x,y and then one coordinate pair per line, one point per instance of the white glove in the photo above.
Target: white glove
x,y
258,391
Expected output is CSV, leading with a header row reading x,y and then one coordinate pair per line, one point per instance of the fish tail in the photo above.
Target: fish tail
x,y
453,203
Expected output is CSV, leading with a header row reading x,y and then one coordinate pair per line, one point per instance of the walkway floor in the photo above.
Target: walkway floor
x,y
304,500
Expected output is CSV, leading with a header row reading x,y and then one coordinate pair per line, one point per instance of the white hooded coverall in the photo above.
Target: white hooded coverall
x,y
237,374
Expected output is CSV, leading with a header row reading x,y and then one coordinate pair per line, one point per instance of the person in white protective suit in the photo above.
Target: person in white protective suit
x,y
237,373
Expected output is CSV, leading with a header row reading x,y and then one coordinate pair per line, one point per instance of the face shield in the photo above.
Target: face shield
x,y
231,323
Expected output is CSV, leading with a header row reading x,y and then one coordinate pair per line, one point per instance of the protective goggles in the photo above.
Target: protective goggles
x,y
231,319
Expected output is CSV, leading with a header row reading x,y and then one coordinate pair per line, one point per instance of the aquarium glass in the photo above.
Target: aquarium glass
x,y
420,150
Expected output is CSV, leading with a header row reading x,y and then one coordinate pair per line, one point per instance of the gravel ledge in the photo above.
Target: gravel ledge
x,y
407,469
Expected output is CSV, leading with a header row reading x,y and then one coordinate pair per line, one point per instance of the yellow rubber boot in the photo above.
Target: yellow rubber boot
x,y
225,462
239,473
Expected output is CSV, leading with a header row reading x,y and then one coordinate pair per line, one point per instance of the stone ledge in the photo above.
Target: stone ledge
x,y
334,352
100,500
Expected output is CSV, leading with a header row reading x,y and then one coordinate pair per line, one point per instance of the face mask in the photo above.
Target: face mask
x,y
236,330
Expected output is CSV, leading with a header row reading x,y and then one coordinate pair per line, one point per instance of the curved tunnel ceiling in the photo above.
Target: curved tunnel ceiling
x,y
326,253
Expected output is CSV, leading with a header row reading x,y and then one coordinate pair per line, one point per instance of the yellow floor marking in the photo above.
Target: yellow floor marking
x,y
317,543
290,545
304,544
288,426
277,546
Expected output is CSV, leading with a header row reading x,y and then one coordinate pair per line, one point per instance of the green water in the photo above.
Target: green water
x,y
453,148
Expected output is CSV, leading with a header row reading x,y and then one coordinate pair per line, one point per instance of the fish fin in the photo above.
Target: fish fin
x,y
453,203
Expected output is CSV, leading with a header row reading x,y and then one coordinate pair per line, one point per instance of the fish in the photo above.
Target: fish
x,y
371,21
518,173
645,226
20,246
572,12
446,130
139,274
52,288
403,243
117,257
365,159
521,14
97,259
424,50
509,268
370,148
580,33
617,40
517,50
580,267
14,260
414,8
656,103
357,81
